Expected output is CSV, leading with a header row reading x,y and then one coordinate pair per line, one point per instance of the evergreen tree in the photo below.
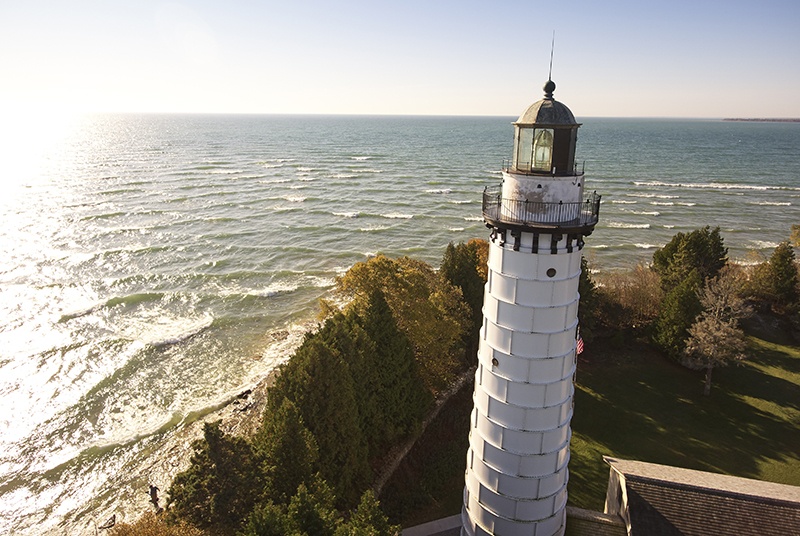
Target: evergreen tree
x,y
588,308
701,250
344,335
401,396
428,309
311,511
267,520
783,275
319,383
368,520
221,484
461,268
678,312
287,452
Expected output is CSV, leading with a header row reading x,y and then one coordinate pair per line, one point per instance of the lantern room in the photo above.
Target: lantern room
x,y
544,138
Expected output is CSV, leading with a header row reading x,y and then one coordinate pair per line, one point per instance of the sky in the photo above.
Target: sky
x,y
643,58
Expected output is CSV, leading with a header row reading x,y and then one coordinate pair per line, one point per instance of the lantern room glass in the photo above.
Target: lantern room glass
x,y
543,149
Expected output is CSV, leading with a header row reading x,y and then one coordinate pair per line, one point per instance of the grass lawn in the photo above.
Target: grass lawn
x,y
632,403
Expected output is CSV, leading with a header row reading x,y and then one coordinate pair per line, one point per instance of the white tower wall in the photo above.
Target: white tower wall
x,y
516,480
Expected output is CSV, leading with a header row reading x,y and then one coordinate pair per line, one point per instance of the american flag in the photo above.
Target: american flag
x,y
579,345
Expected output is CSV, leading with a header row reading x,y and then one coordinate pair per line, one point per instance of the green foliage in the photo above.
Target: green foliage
x,y
678,312
701,250
795,237
783,272
220,486
427,308
589,307
287,452
461,267
368,520
310,512
401,399
318,381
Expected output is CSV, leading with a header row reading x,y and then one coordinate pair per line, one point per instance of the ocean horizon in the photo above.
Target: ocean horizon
x,y
157,265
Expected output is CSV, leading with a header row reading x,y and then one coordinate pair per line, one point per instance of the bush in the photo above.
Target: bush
x,y
629,299
151,525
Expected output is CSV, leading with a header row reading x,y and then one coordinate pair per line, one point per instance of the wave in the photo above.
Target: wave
x,y
134,299
374,229
353,214
455,229
343,175
473,218
622,202
461,202
662,203
360,158
645,246
438,191
714,186
644,212
366,170
621,225
771,203
397,216
764,244
687,204
187,331
294,198
654,196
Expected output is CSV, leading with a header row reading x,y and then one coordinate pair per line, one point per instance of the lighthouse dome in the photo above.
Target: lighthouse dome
x,y
547,111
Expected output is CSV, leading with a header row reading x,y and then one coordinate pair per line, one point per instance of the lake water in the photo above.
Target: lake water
x,y
153,267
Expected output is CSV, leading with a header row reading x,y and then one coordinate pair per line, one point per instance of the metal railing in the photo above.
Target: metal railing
x,y
526,168
540,214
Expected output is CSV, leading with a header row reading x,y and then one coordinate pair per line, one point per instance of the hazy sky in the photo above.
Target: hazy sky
x,y
698,58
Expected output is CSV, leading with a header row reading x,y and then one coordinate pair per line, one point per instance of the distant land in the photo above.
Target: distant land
x,y
765,119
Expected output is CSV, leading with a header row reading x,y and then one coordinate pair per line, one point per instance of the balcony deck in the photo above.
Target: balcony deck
x,y
537,216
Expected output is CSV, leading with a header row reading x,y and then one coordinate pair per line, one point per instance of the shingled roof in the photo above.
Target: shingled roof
x,y
657,500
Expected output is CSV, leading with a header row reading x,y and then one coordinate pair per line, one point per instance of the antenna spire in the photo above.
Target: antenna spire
x,y
552,46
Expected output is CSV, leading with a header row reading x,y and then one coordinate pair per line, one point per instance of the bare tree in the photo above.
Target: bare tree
x,y
715,339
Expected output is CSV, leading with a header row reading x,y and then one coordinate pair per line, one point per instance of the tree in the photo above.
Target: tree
x,y
589,306
151,525
310,512
401,397
783,272
461,267
678,312
287,452
795,237
715,340
318,382
368,520
220,486
701,250
427,308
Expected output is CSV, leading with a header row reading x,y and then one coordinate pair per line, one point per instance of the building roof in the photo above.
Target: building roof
x,y
547,111
663,500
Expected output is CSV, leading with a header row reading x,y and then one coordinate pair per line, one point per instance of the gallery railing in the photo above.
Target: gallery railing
x,y
539,214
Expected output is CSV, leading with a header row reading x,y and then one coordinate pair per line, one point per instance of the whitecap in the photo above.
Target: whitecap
x,y
456,229
343,175
771,203
438,191
461,202
622,202
687,204
373,229
645,246
360,158
164,331
473,218
621,225
346,214
275,289
397,216
294,198
664,203
764,244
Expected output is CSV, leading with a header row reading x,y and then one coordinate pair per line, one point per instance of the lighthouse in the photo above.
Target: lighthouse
x,y
516,476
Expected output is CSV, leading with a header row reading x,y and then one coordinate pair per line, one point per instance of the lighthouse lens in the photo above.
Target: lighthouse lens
x,y
543,149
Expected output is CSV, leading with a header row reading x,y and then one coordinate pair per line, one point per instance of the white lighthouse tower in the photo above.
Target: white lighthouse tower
x,y
516,477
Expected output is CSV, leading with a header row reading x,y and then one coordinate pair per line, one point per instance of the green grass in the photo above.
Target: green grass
x,y
630,402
